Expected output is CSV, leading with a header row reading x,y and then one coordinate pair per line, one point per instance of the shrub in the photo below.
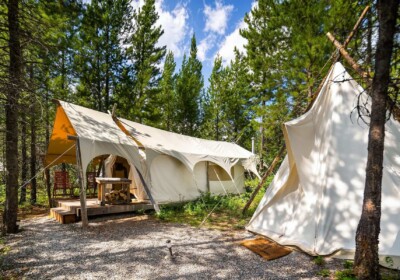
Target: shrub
x,y
348,264
324,273
346,274
318,260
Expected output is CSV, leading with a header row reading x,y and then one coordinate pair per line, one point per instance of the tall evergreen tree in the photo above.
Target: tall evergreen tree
x,y
287,51
238,102
12,110
227,105
146,58
212,126
100,59
167,98
189,84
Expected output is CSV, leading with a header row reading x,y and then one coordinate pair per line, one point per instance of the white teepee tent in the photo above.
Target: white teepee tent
x,y
315,199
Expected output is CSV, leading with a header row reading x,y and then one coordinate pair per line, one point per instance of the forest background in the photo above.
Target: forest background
x,y
101,53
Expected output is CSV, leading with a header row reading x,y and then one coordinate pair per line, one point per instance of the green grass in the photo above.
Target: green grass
x,y
217,211
345,274
348,264
324,273
319,260
26,209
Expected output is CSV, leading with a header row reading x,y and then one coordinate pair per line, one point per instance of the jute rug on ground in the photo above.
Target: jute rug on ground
x,y
267,249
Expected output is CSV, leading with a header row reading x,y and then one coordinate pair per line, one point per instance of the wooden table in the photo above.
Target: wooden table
x,y
113,181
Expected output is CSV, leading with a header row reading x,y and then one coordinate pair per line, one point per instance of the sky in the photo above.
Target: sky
x,y
215,23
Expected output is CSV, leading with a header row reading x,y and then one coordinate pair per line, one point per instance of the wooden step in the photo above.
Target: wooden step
x,y
69,211
63,216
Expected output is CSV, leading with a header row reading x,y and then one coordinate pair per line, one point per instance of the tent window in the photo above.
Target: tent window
x,y
217,173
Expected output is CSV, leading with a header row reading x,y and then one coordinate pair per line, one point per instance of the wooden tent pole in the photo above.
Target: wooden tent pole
x,y
314,96
349,59
365,75
356,26
264,178
155,205
82,195
336,57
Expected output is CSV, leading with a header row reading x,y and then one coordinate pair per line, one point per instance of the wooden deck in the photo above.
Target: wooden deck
x,y
69,210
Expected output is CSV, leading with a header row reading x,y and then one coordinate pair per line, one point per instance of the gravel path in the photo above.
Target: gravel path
x,y
134,247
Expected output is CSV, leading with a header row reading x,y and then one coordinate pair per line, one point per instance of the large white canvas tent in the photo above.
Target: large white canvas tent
x,y
174,167
315,199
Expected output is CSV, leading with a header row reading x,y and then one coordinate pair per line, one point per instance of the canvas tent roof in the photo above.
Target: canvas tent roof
x,y
101,134
98,135
189,150
315,199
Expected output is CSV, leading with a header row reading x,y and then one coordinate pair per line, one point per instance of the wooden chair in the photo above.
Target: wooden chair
x,y
91,188
61,184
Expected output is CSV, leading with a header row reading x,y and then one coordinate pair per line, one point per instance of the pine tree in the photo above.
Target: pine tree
x,y
287,51
227,105
213,108
146,58
100,58
189,84
12,114
167,98
238,102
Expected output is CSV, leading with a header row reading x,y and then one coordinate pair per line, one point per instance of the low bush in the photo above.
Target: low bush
x,y
223,211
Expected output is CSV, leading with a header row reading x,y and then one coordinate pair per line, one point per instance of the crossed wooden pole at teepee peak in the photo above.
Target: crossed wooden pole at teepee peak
x,y
335,57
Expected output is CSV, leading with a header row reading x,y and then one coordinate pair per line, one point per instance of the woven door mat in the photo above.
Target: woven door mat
x,y
269,250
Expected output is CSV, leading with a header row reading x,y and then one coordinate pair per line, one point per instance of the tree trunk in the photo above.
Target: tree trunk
x,y
107,74
47,170
15,69
24,158
33,145
366,261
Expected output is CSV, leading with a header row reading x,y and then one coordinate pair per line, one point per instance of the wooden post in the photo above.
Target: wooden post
x,y
155,205
48,185
82,195
113,110
208,176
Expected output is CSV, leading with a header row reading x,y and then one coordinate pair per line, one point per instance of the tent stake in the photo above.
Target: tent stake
x,y
82,195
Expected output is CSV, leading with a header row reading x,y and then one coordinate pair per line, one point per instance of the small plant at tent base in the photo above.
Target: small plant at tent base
x,y
319,260
389,262
216,211
324,273
345,274
348,264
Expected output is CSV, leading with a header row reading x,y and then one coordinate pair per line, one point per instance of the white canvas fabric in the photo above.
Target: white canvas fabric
x,y
99,135
315,199
173,165
189,150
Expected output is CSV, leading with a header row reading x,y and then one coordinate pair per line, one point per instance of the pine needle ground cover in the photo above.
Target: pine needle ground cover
x,y
222,212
